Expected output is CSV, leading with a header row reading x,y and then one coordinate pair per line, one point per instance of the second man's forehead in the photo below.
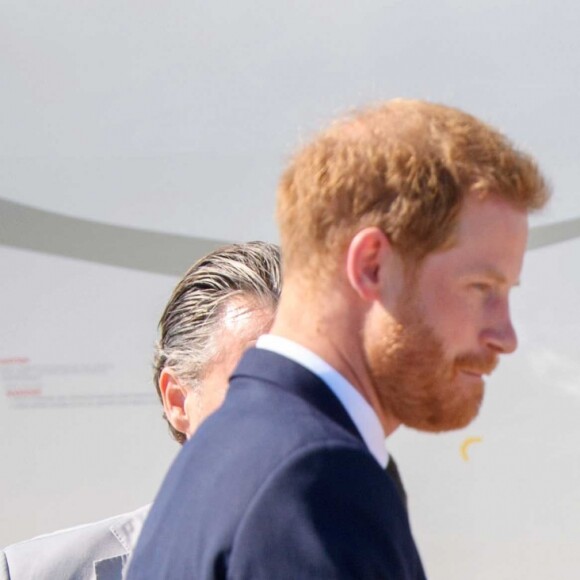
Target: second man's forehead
x,y
242,311
242,322
238,310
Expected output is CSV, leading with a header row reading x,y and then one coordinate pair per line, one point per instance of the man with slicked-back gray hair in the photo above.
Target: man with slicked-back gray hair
x,y
218,309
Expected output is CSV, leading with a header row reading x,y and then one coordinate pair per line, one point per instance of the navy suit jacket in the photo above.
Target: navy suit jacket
x,y
276,484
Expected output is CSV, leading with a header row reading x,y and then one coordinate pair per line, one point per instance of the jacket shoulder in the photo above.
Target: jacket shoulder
x,y
72,552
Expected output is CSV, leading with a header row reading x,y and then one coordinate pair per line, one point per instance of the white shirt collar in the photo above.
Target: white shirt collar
x,y
361,413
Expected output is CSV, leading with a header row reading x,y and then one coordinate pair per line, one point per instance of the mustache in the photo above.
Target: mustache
x,y
483,364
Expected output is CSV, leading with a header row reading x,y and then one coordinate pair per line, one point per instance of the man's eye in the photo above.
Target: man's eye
x,y
481,286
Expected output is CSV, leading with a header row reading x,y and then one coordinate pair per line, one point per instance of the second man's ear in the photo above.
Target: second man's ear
x,y
174,395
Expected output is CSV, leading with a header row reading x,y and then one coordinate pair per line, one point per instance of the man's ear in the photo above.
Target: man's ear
x,y
367,255
174,394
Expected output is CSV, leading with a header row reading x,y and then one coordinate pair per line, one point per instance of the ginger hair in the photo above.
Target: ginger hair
x,y
404,166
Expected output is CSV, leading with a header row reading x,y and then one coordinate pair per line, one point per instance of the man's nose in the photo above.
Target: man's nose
x,y
501,336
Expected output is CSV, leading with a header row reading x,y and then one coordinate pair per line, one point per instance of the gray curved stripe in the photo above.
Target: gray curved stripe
x,y
29,228
34,229
555,233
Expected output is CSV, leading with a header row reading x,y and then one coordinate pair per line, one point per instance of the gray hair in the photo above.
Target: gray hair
x,y
196,307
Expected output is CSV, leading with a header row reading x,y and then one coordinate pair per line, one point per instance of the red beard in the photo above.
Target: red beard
x,y
414,380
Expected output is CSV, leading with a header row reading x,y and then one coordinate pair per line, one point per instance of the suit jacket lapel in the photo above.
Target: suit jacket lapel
x,y
110,568
126,532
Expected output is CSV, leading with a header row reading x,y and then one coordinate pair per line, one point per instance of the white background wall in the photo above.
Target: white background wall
x,y
177,117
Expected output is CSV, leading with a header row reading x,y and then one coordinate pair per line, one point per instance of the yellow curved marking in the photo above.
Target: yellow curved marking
x,y
465,446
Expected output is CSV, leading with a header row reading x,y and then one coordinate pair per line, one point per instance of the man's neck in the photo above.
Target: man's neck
x,y
333,332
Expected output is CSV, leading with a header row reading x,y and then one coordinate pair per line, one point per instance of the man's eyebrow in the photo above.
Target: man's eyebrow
x,y
495,275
